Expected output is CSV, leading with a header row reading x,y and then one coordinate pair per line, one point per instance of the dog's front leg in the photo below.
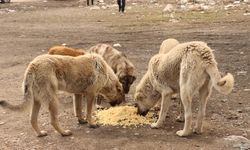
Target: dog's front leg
x,y
77,102
90,103
165,102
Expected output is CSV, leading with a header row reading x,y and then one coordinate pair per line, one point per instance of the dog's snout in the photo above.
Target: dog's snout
x,y
142,113
114,103
126,89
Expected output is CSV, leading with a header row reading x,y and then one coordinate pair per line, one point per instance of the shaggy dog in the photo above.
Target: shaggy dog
x,y
187,68
83,75
167,45
118,61
145,87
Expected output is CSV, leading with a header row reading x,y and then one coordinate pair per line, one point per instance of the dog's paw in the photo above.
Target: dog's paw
x,y
42,133
93,126
182,133
157,108
82,121
155,126
66,133
180,118
197,131
99,106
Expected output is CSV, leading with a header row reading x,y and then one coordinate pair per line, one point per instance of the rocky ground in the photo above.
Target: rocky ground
x,y
28,29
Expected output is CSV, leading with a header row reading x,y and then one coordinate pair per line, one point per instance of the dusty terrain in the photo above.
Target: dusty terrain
x,y
33,27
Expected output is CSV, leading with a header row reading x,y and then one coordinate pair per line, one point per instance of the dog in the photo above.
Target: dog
x,y
187,68
119,62
167,45
84,75
62,50
145,88
68,51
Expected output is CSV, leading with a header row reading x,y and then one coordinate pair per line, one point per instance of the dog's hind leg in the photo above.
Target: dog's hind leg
x,y
186,98
54,117
77,102
165,102
33,118
204,93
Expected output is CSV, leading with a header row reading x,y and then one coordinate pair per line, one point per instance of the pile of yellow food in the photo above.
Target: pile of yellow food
x,y
123,116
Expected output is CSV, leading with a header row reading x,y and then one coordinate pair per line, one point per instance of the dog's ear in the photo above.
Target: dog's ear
x,y
133,78
138,96
119,87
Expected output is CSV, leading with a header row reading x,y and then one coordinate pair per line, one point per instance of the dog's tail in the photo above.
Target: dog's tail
x,y
222,84
28,95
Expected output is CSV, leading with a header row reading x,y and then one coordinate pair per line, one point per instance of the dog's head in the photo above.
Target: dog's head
x,y
113,91
127,81
145,97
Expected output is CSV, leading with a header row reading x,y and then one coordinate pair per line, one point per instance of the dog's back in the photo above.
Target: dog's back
x,y
167,45
62,50
118,61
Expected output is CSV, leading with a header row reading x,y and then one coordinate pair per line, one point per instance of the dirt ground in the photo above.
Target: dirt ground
x,y
28,29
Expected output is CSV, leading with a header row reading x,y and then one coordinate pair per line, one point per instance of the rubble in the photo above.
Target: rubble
x,y
242,73
237,142
117,45
95,8
168,9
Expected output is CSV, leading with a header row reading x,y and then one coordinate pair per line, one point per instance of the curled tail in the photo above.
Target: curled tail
x,y
224,84
28,95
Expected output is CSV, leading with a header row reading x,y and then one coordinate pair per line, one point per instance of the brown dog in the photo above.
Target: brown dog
x,y
83,75
118,61
62,50
68,51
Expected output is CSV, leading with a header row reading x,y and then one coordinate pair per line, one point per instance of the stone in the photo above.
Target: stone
x,y
246,90
241,73
237,141
247,1
117,45
169,8
95,8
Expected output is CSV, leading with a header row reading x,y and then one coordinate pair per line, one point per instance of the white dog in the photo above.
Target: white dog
x,y
187,68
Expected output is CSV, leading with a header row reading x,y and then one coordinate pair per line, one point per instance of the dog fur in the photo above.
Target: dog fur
x,y
145,90
167,45
83,75
119,62
187,68
62,50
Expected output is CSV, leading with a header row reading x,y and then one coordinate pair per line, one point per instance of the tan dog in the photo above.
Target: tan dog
x,y
187,68
83,75
62,50
118,61
67,51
